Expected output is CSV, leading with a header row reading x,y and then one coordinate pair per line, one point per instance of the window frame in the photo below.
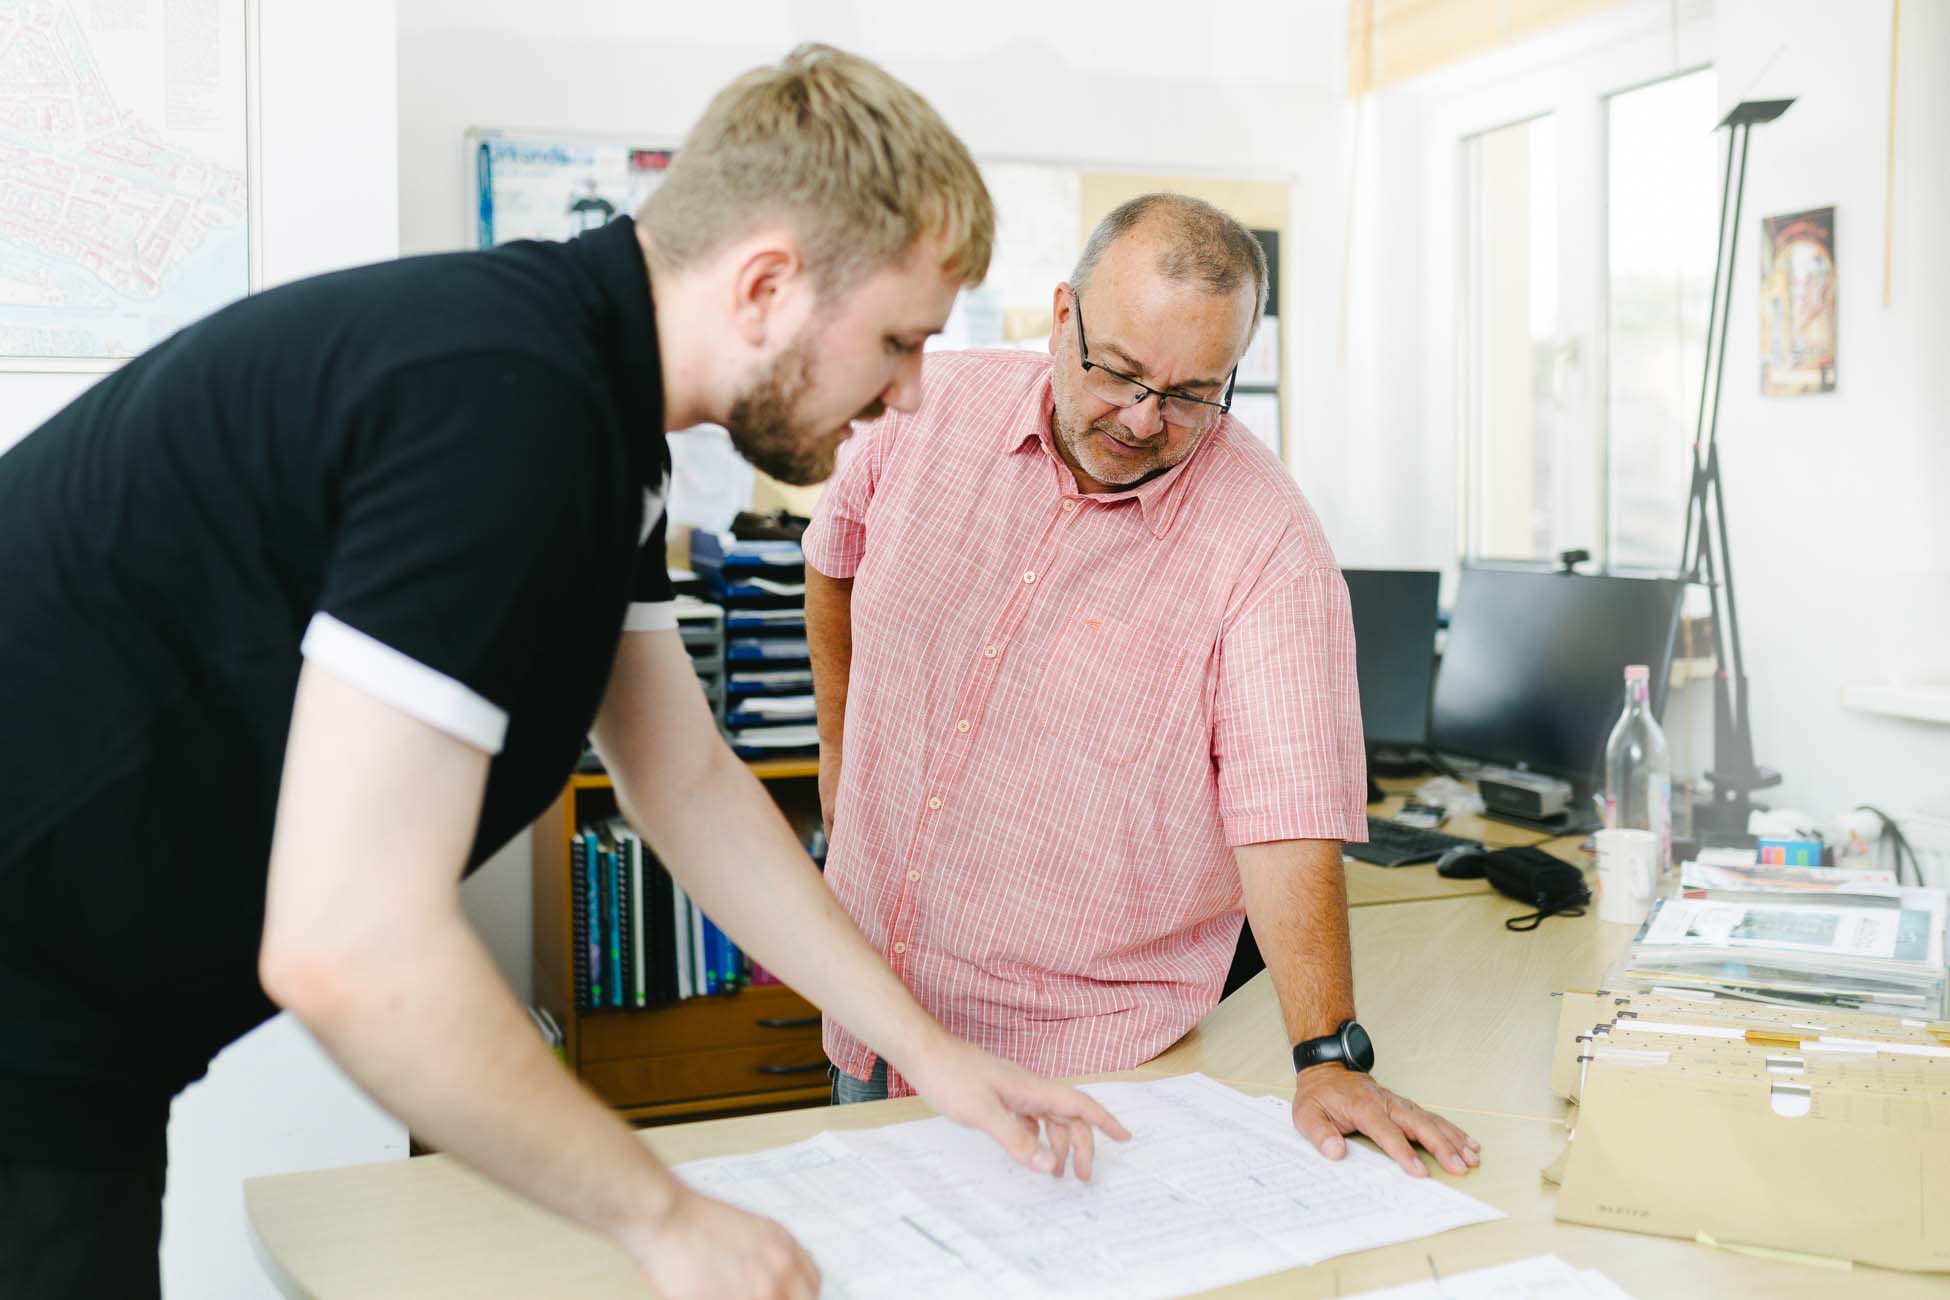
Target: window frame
x,y
1605,515
1571,74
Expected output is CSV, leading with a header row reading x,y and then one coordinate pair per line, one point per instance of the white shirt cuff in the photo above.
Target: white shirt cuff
x,y
405,683
650,616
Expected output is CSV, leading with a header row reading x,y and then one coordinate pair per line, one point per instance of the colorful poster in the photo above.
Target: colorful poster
x,y
1797,303
556,187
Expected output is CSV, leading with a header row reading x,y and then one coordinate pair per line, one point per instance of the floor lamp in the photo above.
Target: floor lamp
x,y
1734,775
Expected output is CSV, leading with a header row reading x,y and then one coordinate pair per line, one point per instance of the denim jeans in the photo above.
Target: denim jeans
x,y
847,1089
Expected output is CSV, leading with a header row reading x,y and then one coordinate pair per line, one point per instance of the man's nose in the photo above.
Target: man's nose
x,y
1145,419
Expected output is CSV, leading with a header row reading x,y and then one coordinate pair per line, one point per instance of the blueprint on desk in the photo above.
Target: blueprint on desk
x,y
1214,1187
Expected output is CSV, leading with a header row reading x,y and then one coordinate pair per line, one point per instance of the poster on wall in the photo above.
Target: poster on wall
x,y
532,185
122,161
1797,303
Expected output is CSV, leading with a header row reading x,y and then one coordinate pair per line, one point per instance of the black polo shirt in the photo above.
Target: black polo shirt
x,y
439,477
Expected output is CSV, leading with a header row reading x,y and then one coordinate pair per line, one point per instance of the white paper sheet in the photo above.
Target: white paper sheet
x,y
778,706
1215,1187
789,736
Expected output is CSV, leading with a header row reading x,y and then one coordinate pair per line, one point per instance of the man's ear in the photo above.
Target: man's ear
x,y
1062,303
767,274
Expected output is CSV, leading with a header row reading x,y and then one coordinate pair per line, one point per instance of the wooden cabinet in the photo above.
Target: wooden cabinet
x,y
756,1049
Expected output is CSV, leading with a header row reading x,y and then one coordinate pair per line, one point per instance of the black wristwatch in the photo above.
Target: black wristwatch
x,y
1350,1045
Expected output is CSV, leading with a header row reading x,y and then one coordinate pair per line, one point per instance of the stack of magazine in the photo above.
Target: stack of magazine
x,y
1798,936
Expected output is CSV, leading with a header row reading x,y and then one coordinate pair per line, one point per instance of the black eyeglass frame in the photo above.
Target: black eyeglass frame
x,y
1223,405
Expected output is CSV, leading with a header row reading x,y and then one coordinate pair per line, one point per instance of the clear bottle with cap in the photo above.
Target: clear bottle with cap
x,y
1638,773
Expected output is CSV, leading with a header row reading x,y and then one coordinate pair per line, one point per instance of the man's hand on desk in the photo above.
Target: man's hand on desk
x,y
1330,1101
1008,1103
707,1249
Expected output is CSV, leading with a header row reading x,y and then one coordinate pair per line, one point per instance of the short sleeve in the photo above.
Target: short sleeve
x,y
1287,721
467,494
836,539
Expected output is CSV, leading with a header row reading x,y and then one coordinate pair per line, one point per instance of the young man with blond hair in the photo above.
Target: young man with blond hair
x,y
308,610
1085,675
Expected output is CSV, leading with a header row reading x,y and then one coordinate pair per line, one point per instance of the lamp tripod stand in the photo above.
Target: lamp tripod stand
x,y
1734,775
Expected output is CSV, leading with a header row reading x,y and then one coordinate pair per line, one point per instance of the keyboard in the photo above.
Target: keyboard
x,y
1391,844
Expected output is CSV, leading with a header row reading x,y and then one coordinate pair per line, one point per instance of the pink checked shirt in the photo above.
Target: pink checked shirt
x,y
1064,713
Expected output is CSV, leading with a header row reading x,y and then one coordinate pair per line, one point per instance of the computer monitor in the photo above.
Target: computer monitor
x,y
1533,671
1394,652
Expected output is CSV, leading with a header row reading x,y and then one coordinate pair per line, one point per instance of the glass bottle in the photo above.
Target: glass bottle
x,y
1638,773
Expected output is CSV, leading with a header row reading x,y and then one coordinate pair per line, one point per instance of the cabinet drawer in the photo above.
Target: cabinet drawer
x,y
647,1080
768,1016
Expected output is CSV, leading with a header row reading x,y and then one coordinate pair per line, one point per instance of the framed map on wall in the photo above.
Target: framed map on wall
x,y
124,139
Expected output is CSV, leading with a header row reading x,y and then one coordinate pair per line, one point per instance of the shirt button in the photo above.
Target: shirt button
x,y
1029,575
988,652
1069,503
899,948
962,725
913,877
934,802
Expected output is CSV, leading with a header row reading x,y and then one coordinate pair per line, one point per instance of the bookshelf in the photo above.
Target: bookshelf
x,y
754,1050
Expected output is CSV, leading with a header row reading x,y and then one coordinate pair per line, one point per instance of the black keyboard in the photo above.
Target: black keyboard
x,y
1391,844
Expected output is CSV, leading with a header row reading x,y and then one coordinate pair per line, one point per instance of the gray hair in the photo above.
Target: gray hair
x,y
1200,244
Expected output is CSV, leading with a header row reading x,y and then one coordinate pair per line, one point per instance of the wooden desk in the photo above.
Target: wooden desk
x,y
1460,1008
1462,1015
1368,884
428,1228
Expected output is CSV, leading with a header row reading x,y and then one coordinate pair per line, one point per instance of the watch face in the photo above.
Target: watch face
x,y
1359,1047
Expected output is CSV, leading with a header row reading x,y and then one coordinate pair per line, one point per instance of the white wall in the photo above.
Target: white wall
x,y
1254,88
1251,88
1841,549
1840,538
272,1102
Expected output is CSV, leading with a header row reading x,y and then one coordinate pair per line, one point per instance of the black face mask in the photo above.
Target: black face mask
x,y
1551,885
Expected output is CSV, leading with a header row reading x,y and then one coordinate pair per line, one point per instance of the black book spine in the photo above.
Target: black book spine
x,y
579,928
625,928
659,919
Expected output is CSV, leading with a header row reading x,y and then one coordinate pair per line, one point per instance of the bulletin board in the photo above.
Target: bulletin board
x,y
554,185
1259,400
1045,213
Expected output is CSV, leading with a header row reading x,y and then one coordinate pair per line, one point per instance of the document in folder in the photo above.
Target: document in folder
x,y
1585,1017
1796,1138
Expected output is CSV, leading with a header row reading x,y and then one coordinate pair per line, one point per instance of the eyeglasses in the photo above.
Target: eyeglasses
x,y
1119,389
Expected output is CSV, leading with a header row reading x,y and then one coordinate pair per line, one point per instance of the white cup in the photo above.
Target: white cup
x,y
1628,864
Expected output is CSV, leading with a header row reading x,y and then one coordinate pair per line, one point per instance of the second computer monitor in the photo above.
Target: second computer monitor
x,y
1394,652
1533,671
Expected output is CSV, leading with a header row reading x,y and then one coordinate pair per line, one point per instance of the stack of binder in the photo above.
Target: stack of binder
x,y
761,586
701,625
1797,936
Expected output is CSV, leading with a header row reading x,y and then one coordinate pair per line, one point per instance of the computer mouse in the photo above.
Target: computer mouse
x,y
1464,862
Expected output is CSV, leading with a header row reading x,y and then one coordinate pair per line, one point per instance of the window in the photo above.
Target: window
x,y
1661,213
1511,302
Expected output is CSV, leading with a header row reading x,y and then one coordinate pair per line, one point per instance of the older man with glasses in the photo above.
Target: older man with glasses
x,y
1085,676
